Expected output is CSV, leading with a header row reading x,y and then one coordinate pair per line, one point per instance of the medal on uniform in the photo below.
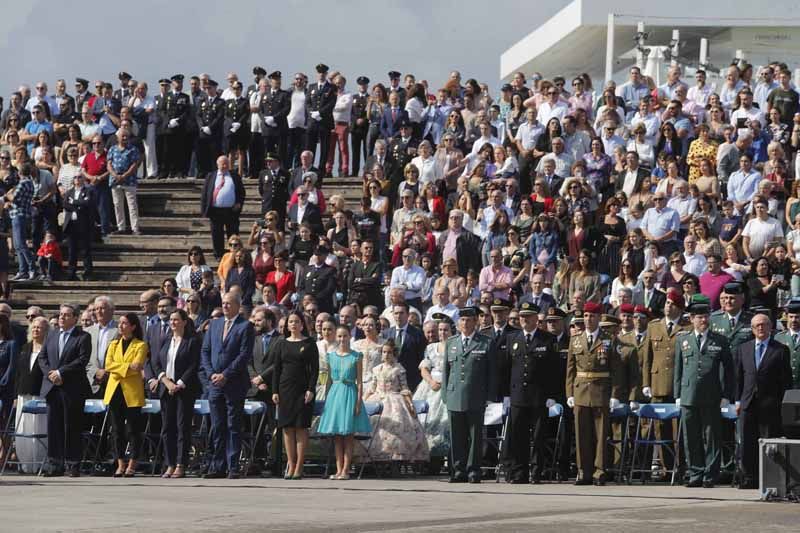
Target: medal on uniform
x,y
516,344
685,345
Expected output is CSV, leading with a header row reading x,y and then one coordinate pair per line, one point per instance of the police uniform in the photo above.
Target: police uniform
x,y
739,333
359,126
534,367
399,153
276,103
468,382
320,98
400,90
237,111
592,371
320,282
499,338
174,106
210,114
273,187
704,374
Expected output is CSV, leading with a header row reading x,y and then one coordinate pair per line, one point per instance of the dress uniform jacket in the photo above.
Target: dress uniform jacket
x,y
322,100
785,337
741,333
658,356
237,110
593,372
399,153
703,375
211,113
534,368
359,111
275,105
499,344
273,187
630,378
321,284
174,105
469,379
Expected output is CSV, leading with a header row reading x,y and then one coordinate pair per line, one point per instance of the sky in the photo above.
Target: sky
x,y
48,39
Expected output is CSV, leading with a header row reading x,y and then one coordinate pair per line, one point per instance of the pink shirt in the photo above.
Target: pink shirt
x,y
711,286
491,276
450,245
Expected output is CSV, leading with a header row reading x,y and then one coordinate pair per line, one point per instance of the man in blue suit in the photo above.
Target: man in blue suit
x,y
226,354
393,115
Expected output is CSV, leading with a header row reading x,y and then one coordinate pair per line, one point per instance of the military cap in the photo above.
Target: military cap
x,y
500,304
270,156
506,87
577,321
482,310
163,81
676,297
82,81
362,80
627,308
641,311
733,287
213,83
555,313
528,308
441,317
322,68
793,306
469,311
607,321
124,76
393,74
760,310
592,307
177,77
699,305
404,123
275,75
259,71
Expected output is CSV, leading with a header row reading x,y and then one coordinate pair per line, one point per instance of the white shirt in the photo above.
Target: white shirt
x,y
256,121
428,169
528,134
412,279
547,111
695,264
684,206
762,232
414,108
343,109
699,95
102,341
450,310
227,194
297,111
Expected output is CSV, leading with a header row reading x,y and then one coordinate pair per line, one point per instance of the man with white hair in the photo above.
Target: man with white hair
x,y
409,277
231,78
222,200
306,165
102,333
123,161
41,97
563,160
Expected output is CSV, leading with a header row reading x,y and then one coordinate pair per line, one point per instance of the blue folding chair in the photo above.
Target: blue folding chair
x,y
152,440
654,413
34,407
257,411
201,437
729,416
93,438
620,414
491,420
552,445
372,409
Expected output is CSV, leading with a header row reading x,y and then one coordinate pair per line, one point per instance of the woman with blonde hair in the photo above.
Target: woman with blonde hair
x,y
701,148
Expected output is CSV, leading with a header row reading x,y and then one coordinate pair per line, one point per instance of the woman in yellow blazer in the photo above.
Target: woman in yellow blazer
x,y
125,359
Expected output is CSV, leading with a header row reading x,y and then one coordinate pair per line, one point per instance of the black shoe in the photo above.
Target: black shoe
x,y
458,479
234,475
474,478
53,472
693,484
214,475
583,481
536,480
75,471
708,484
748,484
600,481
562,476
519,481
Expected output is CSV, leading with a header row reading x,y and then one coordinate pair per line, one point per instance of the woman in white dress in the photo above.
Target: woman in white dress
x,y
370,348
29,382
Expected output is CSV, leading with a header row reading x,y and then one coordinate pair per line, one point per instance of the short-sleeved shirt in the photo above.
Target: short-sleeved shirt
x,y
728,227
121,160
34,128
762,232
94,164
657,224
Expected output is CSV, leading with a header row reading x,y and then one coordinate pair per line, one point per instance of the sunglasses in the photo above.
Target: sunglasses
x,y
5,158
31,317
234,244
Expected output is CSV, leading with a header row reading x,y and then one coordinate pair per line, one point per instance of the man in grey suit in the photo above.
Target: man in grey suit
x,y
260,371
102,333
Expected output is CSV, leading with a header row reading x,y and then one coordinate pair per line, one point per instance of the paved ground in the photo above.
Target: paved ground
x,y
150,504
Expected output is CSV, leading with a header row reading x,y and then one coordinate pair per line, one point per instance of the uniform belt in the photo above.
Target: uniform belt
x,y
345,381
593,375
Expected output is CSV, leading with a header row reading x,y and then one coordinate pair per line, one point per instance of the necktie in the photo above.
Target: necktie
x,y
536,300
399,338
217,189
670,325
795,338
591,340
759,353
62,340
638,338
394,114
700,340
264,343
529,338
464,342
647,299
497,333
226,328
733,322
164,326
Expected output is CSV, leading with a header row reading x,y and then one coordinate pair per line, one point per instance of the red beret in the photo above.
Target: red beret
x,y
640,309
592,307
626,308
676,297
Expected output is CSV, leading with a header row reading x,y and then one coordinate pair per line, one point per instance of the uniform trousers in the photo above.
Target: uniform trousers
x,y
318,132
664,431
522,420
78,241
174,155
208,150
755,423
466,442
255,154
151,152
358,147
127,425
591,436
702,426
64,426
296,144
176,427
275,143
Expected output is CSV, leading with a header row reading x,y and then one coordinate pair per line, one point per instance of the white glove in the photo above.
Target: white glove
x,y
737,404
677,402
613,403
634,406
549,403
648,393
724,403
173,123
571,402
316,116
235,126
271,122
206,130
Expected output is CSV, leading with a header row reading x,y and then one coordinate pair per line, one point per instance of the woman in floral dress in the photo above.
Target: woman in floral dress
x,y
398,435
437,423
370,348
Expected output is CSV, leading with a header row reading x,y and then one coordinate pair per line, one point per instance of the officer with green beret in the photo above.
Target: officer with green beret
x,y
468,382
790,337
731,320
704,382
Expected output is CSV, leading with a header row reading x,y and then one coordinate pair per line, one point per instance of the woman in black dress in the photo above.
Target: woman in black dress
x,y
294,381
242,274
762,285
613,230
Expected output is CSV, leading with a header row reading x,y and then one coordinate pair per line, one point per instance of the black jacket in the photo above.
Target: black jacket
x,y
208,190
534,369
187,363
468,254
762,388
27,380
71,364
84,207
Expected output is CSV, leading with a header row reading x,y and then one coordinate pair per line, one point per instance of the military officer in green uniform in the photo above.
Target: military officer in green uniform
x,y
593,366
790,337
704,382
731,321
630,379
469,380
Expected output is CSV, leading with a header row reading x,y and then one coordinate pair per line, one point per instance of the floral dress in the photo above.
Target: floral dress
x,y
699,150
436,422
397,434
372,358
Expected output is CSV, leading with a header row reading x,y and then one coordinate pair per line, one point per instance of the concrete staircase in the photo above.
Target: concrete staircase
x,y
127,265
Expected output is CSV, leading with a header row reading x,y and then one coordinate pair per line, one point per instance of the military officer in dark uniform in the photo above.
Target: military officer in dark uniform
x,y
82,93
593,368
161,125
237,128
359,125
731,320
704,382
401,150
498,332
320,100
259,73
275,105
791,338
196,98
555,319
320,281
394,86
468,382
534,369
175,111
124,92
273,186
210,117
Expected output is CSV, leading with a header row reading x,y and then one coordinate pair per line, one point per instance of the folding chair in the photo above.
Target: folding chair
x,y
421,407
372,409
34,407
552,445
729,416
92,438
202,436
496,414
257,411
655,412
621,414
152,441
319,407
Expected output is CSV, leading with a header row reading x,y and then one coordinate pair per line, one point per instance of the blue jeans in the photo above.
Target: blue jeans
x,y
104,210
20,226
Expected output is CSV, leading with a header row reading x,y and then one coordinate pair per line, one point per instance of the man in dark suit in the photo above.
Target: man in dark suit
x,y
157,334
631,178
175,112
410,343
260,372
461,244
653,298
764,374
533,374
306,165
320,100
63,361
537,296
274,108
222,201
393,116
273,186
210,118
79,216
320,281
226,353
552,180
305,212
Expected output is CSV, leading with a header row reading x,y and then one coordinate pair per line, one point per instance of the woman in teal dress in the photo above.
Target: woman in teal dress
x,y
344,413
